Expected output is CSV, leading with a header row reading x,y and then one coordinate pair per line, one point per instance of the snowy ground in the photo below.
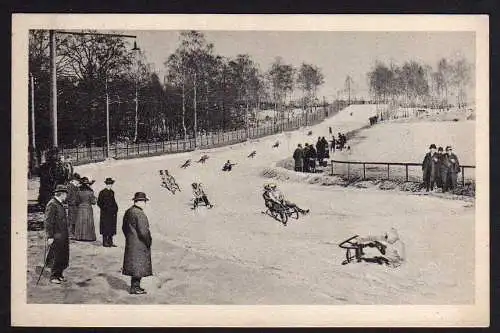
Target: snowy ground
x,y
233,254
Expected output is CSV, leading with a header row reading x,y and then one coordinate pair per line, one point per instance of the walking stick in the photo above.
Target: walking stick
x,y
45,253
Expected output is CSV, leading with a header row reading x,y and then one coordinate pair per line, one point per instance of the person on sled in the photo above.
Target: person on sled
x,y
390,246
228,166
199,195
169,181
273,196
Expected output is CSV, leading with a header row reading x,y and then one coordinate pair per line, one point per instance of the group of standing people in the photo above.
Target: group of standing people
x,y
54,171
440,169
76,221
305,158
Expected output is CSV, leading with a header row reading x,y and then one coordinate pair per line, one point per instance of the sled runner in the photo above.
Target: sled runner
x,y
354,251
280,212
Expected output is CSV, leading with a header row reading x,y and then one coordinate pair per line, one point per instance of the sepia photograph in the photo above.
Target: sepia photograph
x,y
304,170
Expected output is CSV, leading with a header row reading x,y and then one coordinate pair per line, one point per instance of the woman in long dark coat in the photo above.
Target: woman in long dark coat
x,y
84,226
109,208
137,257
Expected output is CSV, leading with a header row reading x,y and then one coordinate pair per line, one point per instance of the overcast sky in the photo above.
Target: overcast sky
x,y
338,54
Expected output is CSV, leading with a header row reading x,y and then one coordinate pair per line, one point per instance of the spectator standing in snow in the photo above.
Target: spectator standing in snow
x,y
326,152
450,169
427,167
312,159
332,144
84,226
137,257
73,188
298,157
56,228
109,210
319,150
437,175
305,154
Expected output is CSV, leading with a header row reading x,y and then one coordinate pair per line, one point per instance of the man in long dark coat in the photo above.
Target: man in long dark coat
x,y
427,166
450,169
306,153
109,210
298,157
137,257
437,171
56,228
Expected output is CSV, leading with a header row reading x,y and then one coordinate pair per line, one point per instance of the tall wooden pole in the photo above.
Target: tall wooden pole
x,y
53,86
32,112
195,113
107,118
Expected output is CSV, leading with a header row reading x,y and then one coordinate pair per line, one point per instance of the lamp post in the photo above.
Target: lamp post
x,y
136,49
53,75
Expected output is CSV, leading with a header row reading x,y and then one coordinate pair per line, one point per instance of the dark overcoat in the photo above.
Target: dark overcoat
x,y
427,167
56,226
109,209
137,257
298,157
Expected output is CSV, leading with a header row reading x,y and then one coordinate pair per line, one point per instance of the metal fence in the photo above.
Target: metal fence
x,y
94,153
409,172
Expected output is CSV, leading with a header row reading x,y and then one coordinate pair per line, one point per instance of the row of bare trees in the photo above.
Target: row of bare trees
x,y
416,84
202,91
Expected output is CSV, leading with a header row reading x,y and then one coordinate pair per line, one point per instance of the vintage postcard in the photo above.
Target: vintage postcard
x,y
250,170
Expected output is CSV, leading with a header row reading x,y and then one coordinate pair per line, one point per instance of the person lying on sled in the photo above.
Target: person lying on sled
x,y
170,181
390,246
274,195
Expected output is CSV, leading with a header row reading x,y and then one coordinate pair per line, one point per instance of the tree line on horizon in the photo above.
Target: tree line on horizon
x,y
201,91
416,84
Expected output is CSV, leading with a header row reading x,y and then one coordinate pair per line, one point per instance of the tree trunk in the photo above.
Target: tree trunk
x,y
195,125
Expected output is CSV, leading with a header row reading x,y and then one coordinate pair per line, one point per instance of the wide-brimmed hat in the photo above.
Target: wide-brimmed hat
x,y
61,188
85,180
432,146
140,196
109,181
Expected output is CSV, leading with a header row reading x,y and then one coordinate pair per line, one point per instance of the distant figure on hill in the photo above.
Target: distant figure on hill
x,y
311,156
186,164
310,133
276,144
305,155
252,154
298,157
326,152
330,130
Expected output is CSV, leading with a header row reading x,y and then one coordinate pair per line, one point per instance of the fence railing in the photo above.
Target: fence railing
x,y
94,153
390,171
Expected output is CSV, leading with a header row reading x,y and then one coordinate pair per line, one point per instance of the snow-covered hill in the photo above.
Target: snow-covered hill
x,y
303,255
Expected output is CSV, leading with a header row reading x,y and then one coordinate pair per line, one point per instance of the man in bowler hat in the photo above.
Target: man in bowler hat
x,y
137,257
56,228
427,167
109,209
